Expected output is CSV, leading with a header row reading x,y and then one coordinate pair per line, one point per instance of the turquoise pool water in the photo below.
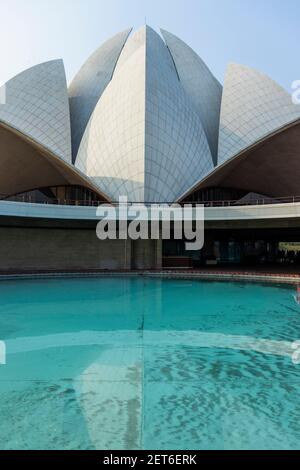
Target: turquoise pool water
x,y
114,363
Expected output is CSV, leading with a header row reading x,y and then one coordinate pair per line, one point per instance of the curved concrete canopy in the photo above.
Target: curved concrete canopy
x,y
112,149
89,84
36,104
144,139
176,147
253,106
270,167
200,85
146,114
25,165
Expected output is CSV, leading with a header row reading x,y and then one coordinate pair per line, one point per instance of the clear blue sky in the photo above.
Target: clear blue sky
x,y
260,33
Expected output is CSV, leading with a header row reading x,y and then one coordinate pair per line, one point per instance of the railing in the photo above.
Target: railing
x,y
88,203
252,202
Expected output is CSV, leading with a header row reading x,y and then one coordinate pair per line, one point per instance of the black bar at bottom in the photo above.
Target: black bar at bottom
x,y
134,459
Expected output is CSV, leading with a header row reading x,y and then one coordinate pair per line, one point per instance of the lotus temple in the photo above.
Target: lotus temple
x,y
145,118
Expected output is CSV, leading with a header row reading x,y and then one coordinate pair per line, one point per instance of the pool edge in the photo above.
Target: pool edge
x,y
165,274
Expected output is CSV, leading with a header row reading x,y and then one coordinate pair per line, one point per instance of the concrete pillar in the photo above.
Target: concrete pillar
x,y
146,254
159,254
